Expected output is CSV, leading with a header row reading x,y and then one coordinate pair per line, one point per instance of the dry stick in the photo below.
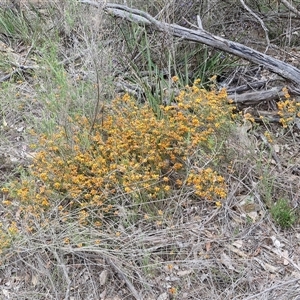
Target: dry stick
x,y
273,153
272,288
262,24
289,32
275,251
295,11
38,270
67,295
19,69
98,109
247,87
256,97
291,7
8,76
70,59
287,71
127,281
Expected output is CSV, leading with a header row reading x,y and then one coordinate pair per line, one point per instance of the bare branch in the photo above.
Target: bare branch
x,y
20,69
291,7
124,277
262,24
256,97
287,71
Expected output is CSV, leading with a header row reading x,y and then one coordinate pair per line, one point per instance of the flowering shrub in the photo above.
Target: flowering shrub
x,y
288,109
7,235
128,150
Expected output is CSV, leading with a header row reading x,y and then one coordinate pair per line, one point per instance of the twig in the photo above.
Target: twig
x,y
262,24
127,281
19,69
272,288
8,76
256,97
275,251
291,7
98,109
273,153
67,295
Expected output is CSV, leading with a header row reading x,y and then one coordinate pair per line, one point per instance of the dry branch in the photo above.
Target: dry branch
x,y
256,97
262,24
287,71
122,276
290,7
20,69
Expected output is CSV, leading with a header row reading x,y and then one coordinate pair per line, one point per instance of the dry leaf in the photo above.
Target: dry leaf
x,y
276,148
163,296
172,278
237,219
253,215
203,277
285,256
295,274
103,277
237,251
256,252
184,273
266,266
103,295
6,293
34,280
4,122
238,244
207,246
226,261
276,243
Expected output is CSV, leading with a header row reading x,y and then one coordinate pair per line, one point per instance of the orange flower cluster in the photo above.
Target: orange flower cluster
x,y
288,109
208,184
130,150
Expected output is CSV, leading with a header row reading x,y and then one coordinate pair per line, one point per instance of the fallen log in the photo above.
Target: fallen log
x,y
290,73
274,93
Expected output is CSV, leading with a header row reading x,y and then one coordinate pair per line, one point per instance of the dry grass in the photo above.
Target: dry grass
x,y
181,243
